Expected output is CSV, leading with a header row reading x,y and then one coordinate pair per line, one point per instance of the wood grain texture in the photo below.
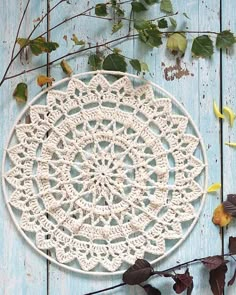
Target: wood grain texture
x,y
22,271
195,83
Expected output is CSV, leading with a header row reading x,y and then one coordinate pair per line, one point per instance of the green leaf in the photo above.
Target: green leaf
x,y
101,9
166,6
173,22
177,42
185,14
202,46
225,39
77,41
136,65
162,24
95,62
38,45
144,67
21,93
66,67
142,24
151,2
114,62
153,38
138,7
119,12
116,27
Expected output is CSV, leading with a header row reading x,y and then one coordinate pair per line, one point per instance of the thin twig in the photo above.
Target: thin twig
x,y
160,273
106,289
19,27
27,39
72,53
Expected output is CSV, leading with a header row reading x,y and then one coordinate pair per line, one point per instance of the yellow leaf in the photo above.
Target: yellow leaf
x,y
220,217
231,115
217,111
231,144
42,80
214,187
66,67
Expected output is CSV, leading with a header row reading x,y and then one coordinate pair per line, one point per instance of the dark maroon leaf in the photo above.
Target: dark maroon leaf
x,y
230,204
217,279
232,280
182,282
229,208
232,245
232,199
213,262
150,290
190,289
138,273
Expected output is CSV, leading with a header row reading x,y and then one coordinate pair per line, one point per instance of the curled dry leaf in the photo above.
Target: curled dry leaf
x,y
230,114
43,80
231,144
138,273
217,279
214,187
66,67
217,111
220,217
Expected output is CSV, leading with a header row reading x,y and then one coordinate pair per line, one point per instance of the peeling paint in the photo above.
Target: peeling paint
x,y
176,71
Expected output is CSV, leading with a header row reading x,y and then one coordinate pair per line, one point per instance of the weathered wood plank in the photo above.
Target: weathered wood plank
x,y
229,134
22,270
192,82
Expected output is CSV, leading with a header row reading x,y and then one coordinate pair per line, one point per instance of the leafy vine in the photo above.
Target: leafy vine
x,y
126,15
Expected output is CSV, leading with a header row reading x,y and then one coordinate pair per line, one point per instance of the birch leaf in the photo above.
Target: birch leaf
x,y
202,46
177,42
21,92
38,45
43,80
214,187
217,111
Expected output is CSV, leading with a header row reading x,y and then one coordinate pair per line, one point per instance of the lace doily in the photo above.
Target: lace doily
x,y
103,173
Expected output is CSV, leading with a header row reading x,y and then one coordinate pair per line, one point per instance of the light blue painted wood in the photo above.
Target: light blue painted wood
x,y
195,83
22,271
229,134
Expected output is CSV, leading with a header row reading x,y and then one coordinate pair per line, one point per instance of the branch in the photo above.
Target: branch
x,y
107,289
13,58
160,273
19,27
72,53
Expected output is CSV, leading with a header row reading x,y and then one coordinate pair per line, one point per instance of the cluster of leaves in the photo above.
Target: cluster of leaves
x,y
149,31
141,271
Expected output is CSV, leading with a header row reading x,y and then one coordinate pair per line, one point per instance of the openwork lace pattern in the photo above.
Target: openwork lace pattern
x,y
104,173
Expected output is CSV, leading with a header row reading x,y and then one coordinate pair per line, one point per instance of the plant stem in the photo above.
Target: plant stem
x,y
106,289
72,53
19,27
160,273
13,58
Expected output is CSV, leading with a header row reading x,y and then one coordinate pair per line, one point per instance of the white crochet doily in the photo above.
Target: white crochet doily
x,y
103,173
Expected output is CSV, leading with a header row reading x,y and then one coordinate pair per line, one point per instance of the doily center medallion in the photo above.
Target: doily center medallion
x,y
104,173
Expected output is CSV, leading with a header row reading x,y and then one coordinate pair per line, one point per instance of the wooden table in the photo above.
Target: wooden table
x,y
194,82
